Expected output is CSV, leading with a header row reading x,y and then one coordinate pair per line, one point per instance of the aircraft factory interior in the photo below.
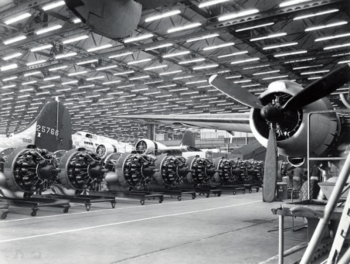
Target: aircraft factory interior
x,y
175,131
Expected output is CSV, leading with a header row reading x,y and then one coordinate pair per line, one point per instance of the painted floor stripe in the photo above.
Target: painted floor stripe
x,y
99,211
125,222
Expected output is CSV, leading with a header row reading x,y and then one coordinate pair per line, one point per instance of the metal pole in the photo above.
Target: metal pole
x,y
308,156
281,239
323,222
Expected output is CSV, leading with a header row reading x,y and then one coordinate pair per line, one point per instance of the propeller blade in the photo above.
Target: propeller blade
x,y
270,170
320,88
235,92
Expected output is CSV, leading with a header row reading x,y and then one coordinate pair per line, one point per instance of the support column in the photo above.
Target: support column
x,y
151,132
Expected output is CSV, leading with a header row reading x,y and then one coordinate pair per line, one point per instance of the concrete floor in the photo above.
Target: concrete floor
x,y
226,229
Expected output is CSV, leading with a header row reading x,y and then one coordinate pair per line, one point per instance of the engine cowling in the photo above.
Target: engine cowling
x,y
130,170
291,134
103,150
27,170
147,146
201,170
80,170
171,170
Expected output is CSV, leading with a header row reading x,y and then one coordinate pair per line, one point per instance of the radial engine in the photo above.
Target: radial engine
x,y
26,170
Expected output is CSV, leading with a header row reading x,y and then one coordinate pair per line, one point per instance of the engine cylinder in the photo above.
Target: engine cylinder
x,y
134,170
80,170
201,170
170,170
29,170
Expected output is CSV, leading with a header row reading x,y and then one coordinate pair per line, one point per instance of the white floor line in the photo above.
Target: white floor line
x,y
125,222
97,211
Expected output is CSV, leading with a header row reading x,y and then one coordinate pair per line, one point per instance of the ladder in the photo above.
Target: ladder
x,y
341,235
323,222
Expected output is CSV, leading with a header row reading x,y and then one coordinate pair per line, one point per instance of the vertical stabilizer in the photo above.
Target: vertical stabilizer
x,y
188,139
53,127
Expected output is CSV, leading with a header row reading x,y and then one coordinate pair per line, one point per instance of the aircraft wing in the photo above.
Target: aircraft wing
x,y
238,122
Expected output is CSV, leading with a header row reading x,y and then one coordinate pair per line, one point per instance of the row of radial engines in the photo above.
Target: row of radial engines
x,y
25,171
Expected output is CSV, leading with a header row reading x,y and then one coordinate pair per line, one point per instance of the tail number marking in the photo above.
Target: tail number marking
x,y
47,130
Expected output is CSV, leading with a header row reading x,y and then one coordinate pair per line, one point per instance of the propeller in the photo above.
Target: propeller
x,y
275,114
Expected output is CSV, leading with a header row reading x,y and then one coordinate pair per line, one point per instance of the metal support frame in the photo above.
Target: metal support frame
x,y
333,199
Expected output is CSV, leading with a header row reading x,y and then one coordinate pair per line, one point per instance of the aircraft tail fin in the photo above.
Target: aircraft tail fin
x,y
188,140
53,128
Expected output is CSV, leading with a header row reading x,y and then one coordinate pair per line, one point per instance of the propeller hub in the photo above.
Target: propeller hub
x,y
270,113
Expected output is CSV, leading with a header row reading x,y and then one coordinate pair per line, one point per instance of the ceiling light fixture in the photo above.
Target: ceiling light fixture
x,y
139,61
46,86
316,14
327,26
160,16
52,5
70,82
192,61
138,38
185,27
9,57
111,82
314,72
15,39
106,67
86,86
337,46
275,77
172,72
290,53
66,41
76,20
48,46
35,62
244,61
239,14
17,18
86,62
270,36
65,55
166,86
58,68
47,29
306,67
155,67
253,27
203,37
31,73
233,77
177,54
205,67
280,46
99,48
10,78
293,2
8,86
219,46
346,61
233,54
210,3
267,72
333,37
30,82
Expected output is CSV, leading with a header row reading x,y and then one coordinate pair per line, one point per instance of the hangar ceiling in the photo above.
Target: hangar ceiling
x,y
48,53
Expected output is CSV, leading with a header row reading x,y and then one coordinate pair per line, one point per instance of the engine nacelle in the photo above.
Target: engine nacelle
x,y
291,134
80,169
103,150
130,170
147,146
201,170
27,170
171,170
